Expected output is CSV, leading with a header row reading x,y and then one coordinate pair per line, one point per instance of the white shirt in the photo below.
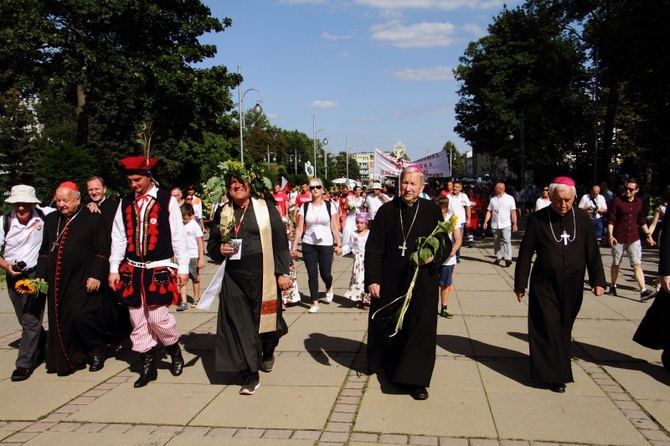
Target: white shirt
x,y
373,203
22,243
501,210
120,240
457,205
587,201
356,243
317,221
541,203
193,231
452,260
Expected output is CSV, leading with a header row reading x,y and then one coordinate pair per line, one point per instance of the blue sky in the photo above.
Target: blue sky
x,y
375,72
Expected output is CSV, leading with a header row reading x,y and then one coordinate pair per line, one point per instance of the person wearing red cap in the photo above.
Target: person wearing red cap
x,y
407,359
148,233
563,238
74,261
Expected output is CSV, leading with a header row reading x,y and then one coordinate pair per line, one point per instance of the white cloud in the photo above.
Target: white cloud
x,y
431,4
420,35
302,2
325,105
435,74
475,29
328,36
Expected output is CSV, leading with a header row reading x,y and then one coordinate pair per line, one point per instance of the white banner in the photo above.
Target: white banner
x,y
433,166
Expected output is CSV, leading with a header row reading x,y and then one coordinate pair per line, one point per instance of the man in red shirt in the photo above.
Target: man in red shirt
x,y
303,197
625,216
282,200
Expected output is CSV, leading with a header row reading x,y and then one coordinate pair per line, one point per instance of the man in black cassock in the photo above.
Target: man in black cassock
x,y
654,329
408,358
74,261
562,236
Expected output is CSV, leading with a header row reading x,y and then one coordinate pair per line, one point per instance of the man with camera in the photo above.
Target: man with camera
x,y
21,237
594,203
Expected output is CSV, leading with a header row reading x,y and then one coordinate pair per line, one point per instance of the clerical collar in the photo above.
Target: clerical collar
x,y
409,205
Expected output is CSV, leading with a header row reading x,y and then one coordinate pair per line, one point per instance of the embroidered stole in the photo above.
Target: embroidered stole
x,y
268,321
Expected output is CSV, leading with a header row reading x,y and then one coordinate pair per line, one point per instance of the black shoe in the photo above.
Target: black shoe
x,y
149,372
97,362
507,263
612,291
557,387
646,295
249,387
496,262
21,374
420,393
177,359
268,364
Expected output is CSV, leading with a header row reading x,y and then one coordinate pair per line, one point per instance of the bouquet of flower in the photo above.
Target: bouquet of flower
x,y
29,286
426,248
227,226
351,206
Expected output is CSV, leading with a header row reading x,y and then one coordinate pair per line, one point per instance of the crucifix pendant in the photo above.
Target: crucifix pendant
x,y
53,246
564,236
403,248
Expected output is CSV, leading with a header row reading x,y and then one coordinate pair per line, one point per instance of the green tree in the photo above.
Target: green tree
x,y
18,128
517,77
458,163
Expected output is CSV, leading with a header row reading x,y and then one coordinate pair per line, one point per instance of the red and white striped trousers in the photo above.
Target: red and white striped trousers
x,y
151,325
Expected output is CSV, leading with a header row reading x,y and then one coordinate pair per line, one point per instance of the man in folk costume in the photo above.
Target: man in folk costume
x,y
251,240
148,233
408,357
563,238
74,262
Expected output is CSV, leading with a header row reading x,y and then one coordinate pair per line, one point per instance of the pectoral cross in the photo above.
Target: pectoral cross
x,y
54,245
403,248
565,236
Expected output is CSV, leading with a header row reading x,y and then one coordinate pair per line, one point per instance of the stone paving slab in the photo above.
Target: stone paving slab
x,y
481,394
285,407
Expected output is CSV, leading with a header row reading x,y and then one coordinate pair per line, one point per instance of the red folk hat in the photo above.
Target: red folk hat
x,y
138,165
564,180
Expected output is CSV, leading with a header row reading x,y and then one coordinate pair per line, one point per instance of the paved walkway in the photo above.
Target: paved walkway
x,y
480,395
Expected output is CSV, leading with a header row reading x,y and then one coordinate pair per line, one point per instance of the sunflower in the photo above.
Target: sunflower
x,y
25,286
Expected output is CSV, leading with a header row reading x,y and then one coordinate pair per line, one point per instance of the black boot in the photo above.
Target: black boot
x,y
149,372
177,359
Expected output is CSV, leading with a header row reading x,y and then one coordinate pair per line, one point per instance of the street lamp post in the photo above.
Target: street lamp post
x,y
594,88
315,132
326,156
274,155
257,110
346,140
296,158
510,137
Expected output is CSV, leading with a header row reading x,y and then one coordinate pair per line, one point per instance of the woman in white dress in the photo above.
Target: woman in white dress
x,y
354,206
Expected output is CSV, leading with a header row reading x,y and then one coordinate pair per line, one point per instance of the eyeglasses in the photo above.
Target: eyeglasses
x,y
631,189
314,187
546,189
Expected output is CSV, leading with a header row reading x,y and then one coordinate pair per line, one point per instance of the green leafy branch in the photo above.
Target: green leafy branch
x,y
426,250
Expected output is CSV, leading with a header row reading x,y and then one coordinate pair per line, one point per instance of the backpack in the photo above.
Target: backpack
x,y
306,205
8,216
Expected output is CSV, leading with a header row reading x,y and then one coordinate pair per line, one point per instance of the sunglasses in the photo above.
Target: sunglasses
x,y
631,189
546,189
314,187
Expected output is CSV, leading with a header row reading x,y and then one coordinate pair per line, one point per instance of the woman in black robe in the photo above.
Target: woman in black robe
x,y
239,345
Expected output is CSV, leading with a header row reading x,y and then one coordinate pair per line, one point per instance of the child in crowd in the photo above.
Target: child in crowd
x,y
356,245
196,253
447,268
292,295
